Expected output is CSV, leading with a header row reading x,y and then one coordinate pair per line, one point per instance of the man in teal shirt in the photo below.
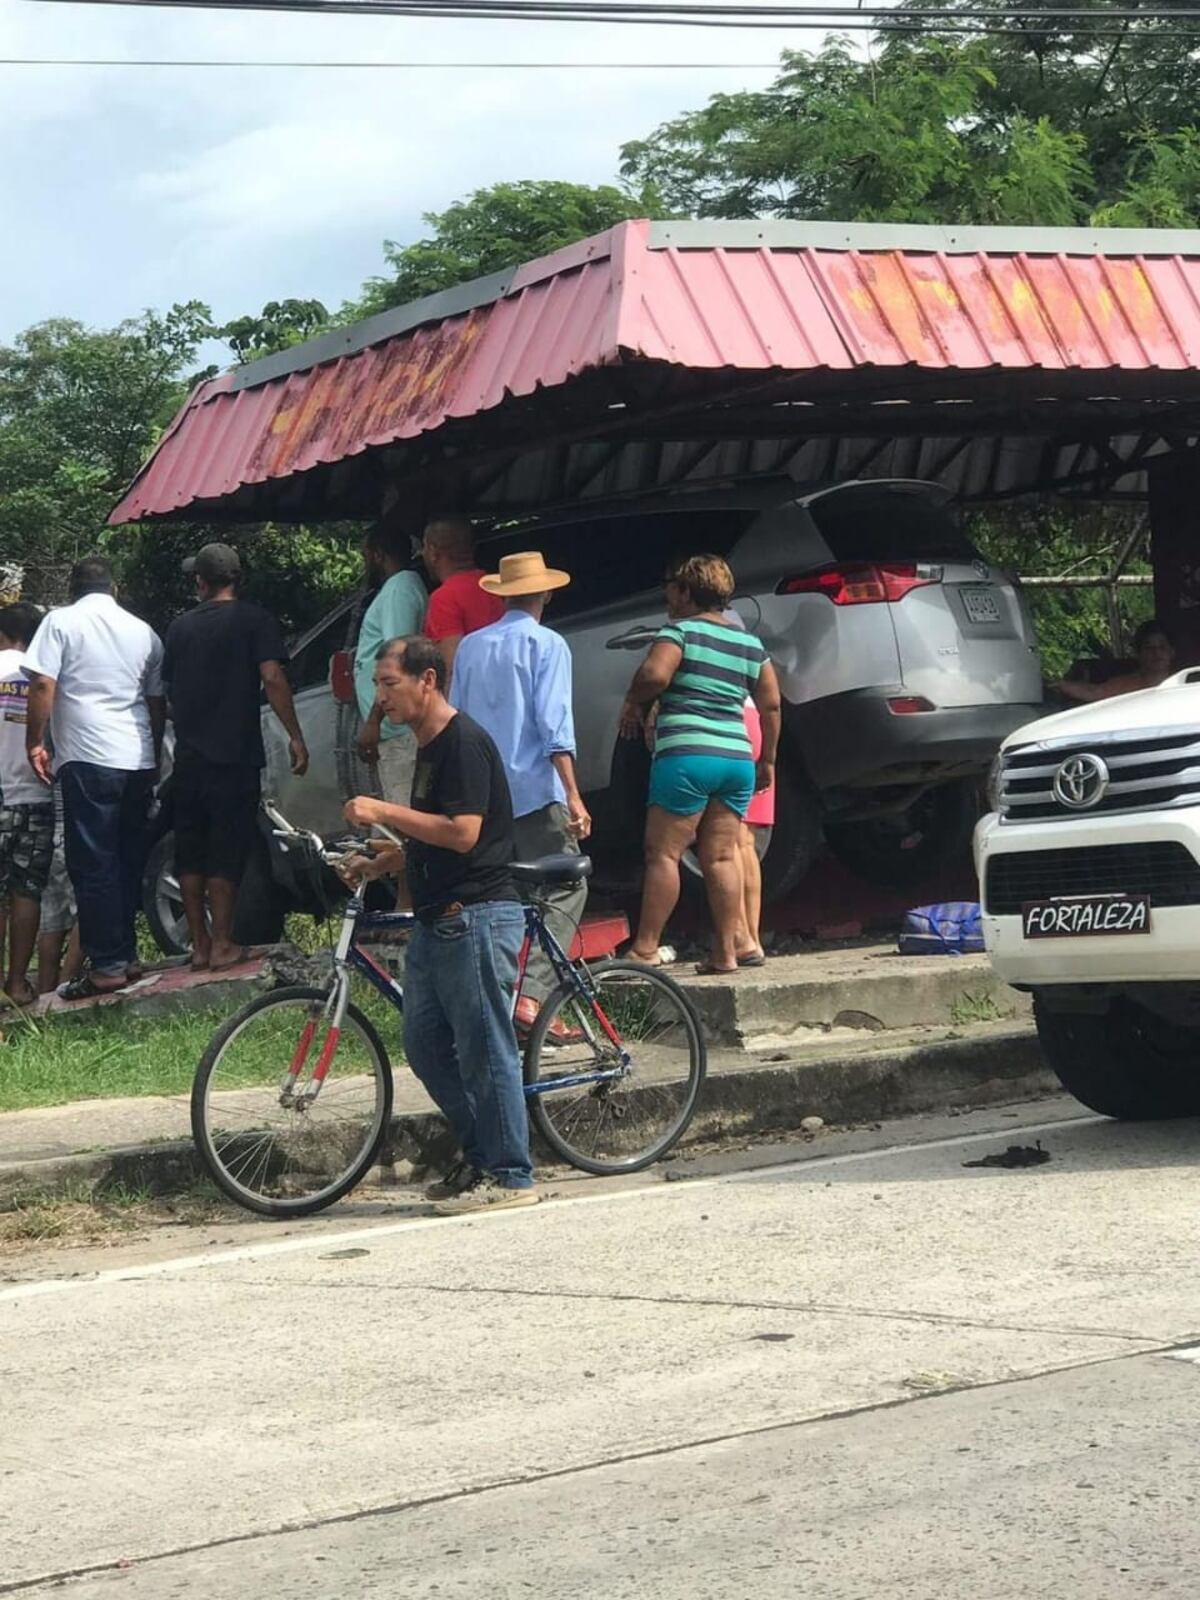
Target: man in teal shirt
x,y
396,611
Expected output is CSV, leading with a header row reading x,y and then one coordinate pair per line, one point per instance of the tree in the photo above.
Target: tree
x,y
492,229
80,409
1044,127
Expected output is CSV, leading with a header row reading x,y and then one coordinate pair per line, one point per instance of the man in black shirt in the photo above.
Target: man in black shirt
x,y
217,657
462,958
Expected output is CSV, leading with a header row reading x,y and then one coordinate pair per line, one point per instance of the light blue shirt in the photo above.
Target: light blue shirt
x,y
514,679
397,610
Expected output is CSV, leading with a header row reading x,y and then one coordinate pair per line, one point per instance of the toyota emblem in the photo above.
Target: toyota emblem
x,y
1080,782
982,570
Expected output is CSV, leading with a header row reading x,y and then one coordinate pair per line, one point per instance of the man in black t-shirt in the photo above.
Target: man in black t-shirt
x,y
462,957
216,659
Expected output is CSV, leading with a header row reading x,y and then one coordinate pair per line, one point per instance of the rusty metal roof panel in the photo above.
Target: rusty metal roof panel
x,y
792,299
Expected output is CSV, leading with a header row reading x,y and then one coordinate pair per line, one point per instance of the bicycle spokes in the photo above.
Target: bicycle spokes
x,y
281,1140
612,1075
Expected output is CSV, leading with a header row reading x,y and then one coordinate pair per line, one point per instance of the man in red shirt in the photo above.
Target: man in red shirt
x,y
458,605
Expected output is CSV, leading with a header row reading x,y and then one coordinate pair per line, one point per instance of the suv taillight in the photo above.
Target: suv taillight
x,y
864,583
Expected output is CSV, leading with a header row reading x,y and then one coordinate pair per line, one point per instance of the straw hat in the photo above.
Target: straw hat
x,y
524,573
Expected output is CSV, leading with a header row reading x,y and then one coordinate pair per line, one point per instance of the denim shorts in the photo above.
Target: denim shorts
x,y
684,785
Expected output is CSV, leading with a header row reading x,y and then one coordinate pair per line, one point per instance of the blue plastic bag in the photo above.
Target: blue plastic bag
x,y
954,928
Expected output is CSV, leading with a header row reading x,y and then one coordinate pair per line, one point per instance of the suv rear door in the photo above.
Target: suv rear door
x,y
963,636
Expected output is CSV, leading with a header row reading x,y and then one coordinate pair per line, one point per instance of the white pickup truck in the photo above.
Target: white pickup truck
x,y
1089,867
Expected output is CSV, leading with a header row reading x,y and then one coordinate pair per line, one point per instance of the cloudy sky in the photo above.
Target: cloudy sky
x,y
122,188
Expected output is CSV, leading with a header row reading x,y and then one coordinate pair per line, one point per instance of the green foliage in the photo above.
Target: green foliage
x,y
79,410
1052,541
492,229
279,325
1045,128
297,573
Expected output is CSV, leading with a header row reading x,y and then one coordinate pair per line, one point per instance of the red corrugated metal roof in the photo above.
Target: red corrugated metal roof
x,y
751,301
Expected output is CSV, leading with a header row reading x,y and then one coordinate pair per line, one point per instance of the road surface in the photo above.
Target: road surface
x,y
878,1373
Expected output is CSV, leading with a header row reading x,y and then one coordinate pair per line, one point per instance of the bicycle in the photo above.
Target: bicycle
x,y
292,1100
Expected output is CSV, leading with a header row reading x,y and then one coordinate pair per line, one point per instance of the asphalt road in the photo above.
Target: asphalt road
x,y
875,1374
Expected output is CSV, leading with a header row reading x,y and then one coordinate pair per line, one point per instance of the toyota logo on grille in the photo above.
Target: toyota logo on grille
x,y
1080,782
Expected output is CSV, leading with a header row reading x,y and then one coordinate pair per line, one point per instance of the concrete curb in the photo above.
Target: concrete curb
x,y
999,1066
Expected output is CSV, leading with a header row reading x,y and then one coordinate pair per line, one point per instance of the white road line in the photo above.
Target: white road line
x,y
1192,1354
325,1241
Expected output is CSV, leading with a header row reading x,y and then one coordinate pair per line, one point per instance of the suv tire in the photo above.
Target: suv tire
x,y
795,836
161,902
1125,1063
786,850
901,849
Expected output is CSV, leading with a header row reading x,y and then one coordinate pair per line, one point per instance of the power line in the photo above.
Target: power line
x,y
967,18
410,66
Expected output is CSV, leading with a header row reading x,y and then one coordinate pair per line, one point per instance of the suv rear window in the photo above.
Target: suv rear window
x,y
880,526
613,557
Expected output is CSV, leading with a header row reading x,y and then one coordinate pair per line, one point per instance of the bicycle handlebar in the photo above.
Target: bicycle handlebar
x,y
332,855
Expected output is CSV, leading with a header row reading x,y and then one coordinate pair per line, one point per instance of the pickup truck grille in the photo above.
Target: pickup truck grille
x,y
1147,772
1163,869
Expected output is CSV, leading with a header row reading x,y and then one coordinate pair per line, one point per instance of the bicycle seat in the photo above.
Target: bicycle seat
x,y
563,868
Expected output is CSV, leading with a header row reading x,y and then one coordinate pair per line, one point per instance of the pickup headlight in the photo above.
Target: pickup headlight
x,y
993,781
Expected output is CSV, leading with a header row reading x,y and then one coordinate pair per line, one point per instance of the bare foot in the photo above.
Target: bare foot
x,y
20,994
222,957
651,960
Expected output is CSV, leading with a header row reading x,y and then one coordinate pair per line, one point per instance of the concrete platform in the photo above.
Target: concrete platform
x,y
850,1034
830,994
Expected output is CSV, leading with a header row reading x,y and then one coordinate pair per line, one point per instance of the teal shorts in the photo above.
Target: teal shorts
x,y
684,785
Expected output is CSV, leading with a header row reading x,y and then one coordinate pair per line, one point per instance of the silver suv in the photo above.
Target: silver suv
x,y
904,659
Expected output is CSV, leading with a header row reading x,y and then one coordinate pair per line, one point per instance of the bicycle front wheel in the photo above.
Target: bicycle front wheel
x,y
618,1105
269,1142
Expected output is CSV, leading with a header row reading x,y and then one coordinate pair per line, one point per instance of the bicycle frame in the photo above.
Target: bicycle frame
x,y
350,956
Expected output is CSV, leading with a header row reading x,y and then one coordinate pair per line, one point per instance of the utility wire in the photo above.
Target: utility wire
x,y
412,66
824,16
409,66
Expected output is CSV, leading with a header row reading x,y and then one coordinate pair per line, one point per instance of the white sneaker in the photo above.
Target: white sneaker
x,y
486,1195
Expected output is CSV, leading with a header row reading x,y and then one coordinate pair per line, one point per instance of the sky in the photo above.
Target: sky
x,y
123,188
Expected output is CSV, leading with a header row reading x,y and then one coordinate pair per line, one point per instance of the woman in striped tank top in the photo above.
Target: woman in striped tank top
x,y
700,670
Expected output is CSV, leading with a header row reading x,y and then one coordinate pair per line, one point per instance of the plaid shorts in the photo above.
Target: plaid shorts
x,y
26,849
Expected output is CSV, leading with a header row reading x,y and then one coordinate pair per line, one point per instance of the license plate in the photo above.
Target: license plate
x,y
981,605
1083,916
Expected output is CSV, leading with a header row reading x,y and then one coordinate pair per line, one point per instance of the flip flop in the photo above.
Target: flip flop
x,y
756,958
84,988
705,969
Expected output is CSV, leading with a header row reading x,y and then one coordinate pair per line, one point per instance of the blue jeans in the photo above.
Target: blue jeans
x,y
104,834
458,1033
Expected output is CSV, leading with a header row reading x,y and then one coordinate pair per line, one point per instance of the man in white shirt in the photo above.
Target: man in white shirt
x,y
95,675
26,809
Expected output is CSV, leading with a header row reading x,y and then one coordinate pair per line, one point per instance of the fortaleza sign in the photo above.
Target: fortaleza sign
x,y
1089,914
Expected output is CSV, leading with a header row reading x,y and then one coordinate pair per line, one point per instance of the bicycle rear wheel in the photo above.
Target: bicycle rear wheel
x,y
281,1153
626,1122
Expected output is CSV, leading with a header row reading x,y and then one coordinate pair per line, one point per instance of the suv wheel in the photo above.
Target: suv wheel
x,y
901,848
786,850
1125,1063
161,900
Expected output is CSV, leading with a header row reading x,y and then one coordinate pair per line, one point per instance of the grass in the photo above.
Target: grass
x,y
968,1008
104,1215
111,1053
103,1055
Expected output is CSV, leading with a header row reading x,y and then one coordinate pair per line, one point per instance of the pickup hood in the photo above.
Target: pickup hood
x,y
1174,704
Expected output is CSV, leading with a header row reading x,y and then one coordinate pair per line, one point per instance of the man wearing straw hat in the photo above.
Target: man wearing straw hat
x,y
514,679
